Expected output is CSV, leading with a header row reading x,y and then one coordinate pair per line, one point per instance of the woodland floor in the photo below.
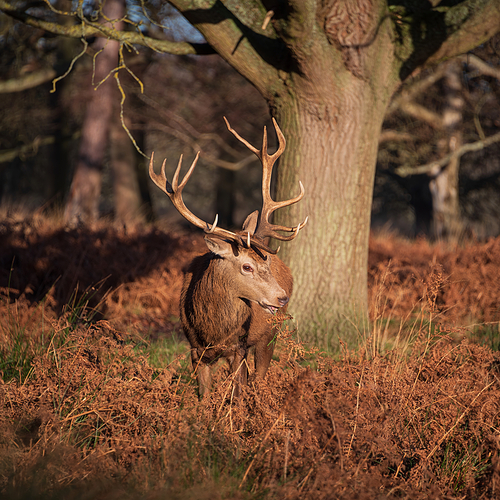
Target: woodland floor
x,y
97,400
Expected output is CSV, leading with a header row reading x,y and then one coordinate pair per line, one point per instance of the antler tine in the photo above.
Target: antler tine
x,y
188,173
243,141
161,179
268,162
294,230
265,228
281,139
158,179
175,178
214,225
174,190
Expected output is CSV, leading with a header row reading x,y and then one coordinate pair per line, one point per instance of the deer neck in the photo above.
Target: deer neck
x,y
213,304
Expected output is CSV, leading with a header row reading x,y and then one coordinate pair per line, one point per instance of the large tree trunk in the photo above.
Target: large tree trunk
x,y
334,155
84,196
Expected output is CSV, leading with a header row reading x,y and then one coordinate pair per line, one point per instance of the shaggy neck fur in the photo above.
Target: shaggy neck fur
x,y
213,310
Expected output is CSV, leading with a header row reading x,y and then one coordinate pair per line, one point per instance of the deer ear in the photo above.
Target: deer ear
x,y
250,224
219,246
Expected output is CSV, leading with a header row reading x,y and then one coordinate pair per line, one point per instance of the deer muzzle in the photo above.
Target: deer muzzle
x,y
282,301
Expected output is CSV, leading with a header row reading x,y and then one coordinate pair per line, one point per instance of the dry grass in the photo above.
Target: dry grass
x,y
87,411
461,281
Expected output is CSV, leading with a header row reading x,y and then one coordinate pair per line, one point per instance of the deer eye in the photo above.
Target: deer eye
x,y
247,268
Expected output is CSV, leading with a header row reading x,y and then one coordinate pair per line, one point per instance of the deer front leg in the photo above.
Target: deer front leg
x,y
203,374
239,368
204,380
263,353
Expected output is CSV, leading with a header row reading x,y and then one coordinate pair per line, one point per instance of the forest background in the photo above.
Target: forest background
x,y
174,105
83,285
329,95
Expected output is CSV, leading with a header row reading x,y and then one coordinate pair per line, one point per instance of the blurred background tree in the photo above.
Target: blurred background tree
x,y
421,186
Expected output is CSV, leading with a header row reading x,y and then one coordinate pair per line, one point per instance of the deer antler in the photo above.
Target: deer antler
x,y
265,228
174,192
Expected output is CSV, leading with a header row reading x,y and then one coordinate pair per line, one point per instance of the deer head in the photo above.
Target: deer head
x,y
245,252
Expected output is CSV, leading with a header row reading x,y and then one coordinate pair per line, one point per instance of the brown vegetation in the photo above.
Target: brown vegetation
x,y
85,413
468,277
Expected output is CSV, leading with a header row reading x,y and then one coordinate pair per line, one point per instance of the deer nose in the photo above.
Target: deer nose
x,y
283,301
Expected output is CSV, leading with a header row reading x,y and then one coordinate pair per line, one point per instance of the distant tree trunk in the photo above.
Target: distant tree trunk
x,y
62,145
127,197
85,191
60,150
447,220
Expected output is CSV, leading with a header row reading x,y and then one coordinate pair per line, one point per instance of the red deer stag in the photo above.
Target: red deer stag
x,y
230,293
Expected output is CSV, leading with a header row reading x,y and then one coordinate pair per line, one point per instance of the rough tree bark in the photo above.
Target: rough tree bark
x,y
85,191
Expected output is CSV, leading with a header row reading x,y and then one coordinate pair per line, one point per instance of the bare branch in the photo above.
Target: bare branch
x,y
268,17
483,67
30,149
434,167
394,136
89,29
410,92
468,27
27,81
229,165
190,135
405,100
421,113
26,150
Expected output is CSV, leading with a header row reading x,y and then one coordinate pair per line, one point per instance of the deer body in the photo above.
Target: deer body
x,y
230,294
224,313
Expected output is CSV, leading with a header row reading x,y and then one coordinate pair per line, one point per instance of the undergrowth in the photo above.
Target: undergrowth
x,y
98,413
97,399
